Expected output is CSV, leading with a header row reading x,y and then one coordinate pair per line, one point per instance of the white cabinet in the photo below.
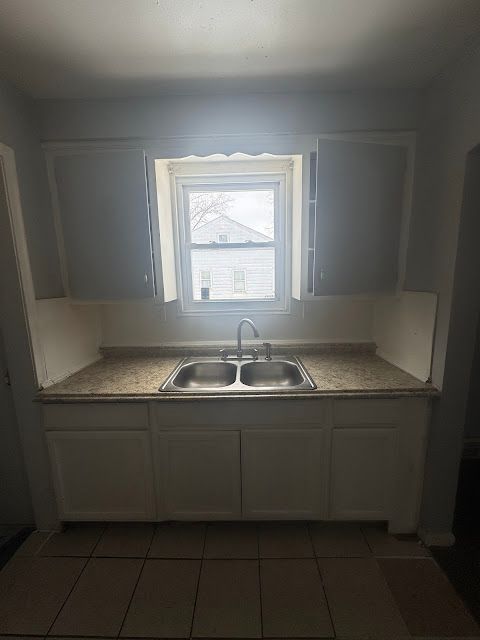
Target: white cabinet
x,y
358,216
283,473
198,475
104,219
362,473
346,459
102,475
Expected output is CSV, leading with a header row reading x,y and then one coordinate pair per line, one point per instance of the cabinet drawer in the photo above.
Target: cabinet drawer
x,y
353,412
95,416
230,413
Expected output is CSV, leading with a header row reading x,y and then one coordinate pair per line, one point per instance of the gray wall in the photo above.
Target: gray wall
x,y
19,130
15,506
449,129
472,416
217,114
27,412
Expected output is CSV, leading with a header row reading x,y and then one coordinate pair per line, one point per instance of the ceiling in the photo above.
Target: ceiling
x,y
102,48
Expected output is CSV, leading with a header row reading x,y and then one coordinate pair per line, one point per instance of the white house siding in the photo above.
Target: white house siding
x,y
258,263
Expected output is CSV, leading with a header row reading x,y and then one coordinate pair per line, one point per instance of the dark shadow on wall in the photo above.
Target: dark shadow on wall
x,y
461,562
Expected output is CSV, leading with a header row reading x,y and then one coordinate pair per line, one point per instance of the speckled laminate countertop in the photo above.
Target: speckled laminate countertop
x,y
138,377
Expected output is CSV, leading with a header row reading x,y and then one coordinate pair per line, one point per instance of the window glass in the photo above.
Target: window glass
x,y
252,208
243,218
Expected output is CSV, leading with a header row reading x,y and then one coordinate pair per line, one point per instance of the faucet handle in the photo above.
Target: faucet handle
x,y
223,354
268,350
255,354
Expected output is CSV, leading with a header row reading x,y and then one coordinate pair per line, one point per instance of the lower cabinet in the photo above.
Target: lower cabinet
x,y
102,475
198,475
359,459
282,473
363,469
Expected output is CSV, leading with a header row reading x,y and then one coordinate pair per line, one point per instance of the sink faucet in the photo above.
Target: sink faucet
x,y
239,334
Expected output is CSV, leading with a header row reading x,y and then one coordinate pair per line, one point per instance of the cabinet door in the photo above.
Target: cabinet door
x,y
102,475
103,207
359,203
362,472
282,473
198,475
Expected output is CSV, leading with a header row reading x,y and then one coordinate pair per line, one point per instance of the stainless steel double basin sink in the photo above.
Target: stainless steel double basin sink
x,y
196,374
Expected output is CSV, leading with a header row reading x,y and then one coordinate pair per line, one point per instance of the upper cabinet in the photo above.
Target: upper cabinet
x,y
355,213
104,224
114,248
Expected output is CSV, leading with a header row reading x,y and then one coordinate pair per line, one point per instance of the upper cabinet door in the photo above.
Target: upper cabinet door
x,y
359,202
105,224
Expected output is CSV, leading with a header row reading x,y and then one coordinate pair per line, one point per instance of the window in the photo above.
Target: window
x,y
248,212
228,224
239,281
205,284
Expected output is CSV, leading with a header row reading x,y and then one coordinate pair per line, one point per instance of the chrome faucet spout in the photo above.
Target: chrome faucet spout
x,y
239,334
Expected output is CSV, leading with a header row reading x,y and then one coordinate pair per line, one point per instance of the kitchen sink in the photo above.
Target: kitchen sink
x,y
205,375
238,375
271,374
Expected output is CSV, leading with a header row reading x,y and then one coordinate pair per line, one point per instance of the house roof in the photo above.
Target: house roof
x,y
261,236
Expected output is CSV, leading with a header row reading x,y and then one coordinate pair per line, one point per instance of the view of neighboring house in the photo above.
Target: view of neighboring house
x,y
231,273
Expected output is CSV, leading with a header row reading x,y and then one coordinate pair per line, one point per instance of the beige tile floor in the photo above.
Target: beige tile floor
x,y
228,580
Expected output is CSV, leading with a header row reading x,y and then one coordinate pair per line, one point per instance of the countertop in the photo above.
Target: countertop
x,y
138,377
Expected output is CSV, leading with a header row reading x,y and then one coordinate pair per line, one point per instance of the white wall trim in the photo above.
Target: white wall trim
x,y
14,206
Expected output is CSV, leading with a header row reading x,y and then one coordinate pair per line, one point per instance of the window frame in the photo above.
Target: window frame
x,y
234,182
244,280
227,235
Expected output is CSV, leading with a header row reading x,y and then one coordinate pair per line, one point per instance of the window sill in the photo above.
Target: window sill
x,y
234,309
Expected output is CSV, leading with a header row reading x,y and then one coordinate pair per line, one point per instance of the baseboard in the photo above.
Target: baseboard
x,y
436,538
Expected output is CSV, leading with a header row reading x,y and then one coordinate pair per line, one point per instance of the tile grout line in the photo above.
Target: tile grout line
x,y
105,529
87,560
390,592
322,582
37,551
366,540
137,581
198,580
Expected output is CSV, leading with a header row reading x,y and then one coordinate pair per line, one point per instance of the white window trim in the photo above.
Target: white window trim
x,y
223,241
276,173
